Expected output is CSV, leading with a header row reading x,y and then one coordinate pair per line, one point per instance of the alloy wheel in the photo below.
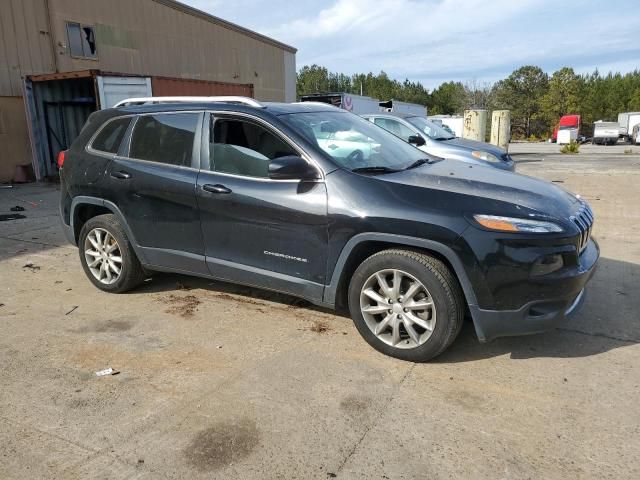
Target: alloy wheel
x,y
398,308
103,256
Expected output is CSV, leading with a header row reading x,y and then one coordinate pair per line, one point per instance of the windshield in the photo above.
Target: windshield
x,y
430,129
353,142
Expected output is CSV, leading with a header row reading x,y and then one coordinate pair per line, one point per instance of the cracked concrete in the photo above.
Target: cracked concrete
x,y
242,387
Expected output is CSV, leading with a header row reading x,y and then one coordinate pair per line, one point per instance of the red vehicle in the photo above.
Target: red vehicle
x,y
566,122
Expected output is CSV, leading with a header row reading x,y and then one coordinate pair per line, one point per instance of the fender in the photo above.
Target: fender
x,y
83,200
401,240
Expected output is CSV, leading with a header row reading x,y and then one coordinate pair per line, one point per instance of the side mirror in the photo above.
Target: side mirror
x,y
416,140
292,167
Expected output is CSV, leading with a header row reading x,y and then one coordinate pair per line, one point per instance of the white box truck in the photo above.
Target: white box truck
x,y
626,122
357,104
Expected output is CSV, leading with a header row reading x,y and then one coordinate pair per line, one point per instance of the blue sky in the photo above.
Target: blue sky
x,y
433,41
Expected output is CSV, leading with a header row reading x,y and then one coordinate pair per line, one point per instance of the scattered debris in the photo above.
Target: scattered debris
x,y
557,181
17,208
11,216
69,289
58,281
107,371
140,460
219,346
620,292
566,380
182,286
331,475
72,310
32,267
319,326
184,306
1,304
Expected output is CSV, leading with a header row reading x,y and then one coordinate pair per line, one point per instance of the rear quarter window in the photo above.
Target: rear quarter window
x,y
110,136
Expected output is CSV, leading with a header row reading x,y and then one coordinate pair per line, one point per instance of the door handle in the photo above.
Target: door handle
x,y
217,188
120,175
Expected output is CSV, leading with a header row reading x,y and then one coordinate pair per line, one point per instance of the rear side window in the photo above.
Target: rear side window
x,y
164,138
111,135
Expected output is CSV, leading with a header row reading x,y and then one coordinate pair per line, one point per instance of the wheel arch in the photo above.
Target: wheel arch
x,y
364,245
84,208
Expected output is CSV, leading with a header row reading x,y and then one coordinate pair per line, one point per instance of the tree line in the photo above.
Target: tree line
x,y
536,99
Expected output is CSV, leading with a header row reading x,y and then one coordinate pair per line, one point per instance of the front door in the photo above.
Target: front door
x,y
257,231
153,184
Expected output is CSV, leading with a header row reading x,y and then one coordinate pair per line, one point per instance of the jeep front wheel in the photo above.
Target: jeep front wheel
x,y
406,304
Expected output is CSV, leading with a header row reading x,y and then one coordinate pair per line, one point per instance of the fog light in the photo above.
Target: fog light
x,y
547,264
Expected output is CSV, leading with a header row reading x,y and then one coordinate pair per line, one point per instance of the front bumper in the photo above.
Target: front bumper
x,y
543,314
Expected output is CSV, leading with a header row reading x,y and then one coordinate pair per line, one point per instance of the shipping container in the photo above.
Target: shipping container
x,y
58,104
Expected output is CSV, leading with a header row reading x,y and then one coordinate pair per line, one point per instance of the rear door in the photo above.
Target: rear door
x,y
257,231
153,182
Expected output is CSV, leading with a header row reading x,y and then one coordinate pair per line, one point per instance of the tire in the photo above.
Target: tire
x,y
440,288
131,272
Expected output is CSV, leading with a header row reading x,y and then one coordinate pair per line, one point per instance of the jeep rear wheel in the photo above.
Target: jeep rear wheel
x,y
107,256
406,304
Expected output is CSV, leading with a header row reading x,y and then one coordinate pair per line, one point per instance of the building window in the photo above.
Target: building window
x,y
82,40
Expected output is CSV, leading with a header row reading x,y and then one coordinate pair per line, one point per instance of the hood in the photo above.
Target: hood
x,y
473,145
506,193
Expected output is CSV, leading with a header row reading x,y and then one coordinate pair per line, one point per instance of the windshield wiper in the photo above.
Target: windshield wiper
x,y
374,169
421,161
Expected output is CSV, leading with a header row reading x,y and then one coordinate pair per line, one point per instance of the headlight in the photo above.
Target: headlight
x,y
509,224
486,156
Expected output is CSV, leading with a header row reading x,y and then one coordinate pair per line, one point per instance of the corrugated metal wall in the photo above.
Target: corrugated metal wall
x,y
25,44
163,86
61,110
150,38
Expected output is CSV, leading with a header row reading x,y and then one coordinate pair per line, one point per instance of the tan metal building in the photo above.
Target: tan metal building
x,y
163,42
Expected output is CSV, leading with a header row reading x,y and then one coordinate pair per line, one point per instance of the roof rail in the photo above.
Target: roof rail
x,y
318,103
222,99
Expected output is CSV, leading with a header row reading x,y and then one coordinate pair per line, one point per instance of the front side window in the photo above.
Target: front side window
x,y
164,138
111,135
395,127
82,40
351,141
244,148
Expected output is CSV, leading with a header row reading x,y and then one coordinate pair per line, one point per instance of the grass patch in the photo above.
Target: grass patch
x,y
571,148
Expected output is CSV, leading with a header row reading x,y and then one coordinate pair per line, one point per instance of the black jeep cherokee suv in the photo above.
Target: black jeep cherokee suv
x,y
319,203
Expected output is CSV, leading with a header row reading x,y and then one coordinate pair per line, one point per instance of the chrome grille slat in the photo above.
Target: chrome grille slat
x,y
583,219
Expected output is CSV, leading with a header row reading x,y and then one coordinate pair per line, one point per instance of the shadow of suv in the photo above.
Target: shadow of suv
x,y
319,203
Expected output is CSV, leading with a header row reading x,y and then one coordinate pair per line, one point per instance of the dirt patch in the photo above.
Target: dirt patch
x,y
185,306
355,405
107,326
222,444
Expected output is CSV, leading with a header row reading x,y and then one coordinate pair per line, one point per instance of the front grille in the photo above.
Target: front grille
x,y
584,221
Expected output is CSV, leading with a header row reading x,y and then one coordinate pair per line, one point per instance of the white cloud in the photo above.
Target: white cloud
x,y
437,40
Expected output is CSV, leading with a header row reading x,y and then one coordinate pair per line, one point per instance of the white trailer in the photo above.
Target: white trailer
x,y
396,106
605,133
626,122
357,104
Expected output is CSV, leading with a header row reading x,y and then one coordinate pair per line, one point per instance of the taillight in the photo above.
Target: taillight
x,y
61,158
